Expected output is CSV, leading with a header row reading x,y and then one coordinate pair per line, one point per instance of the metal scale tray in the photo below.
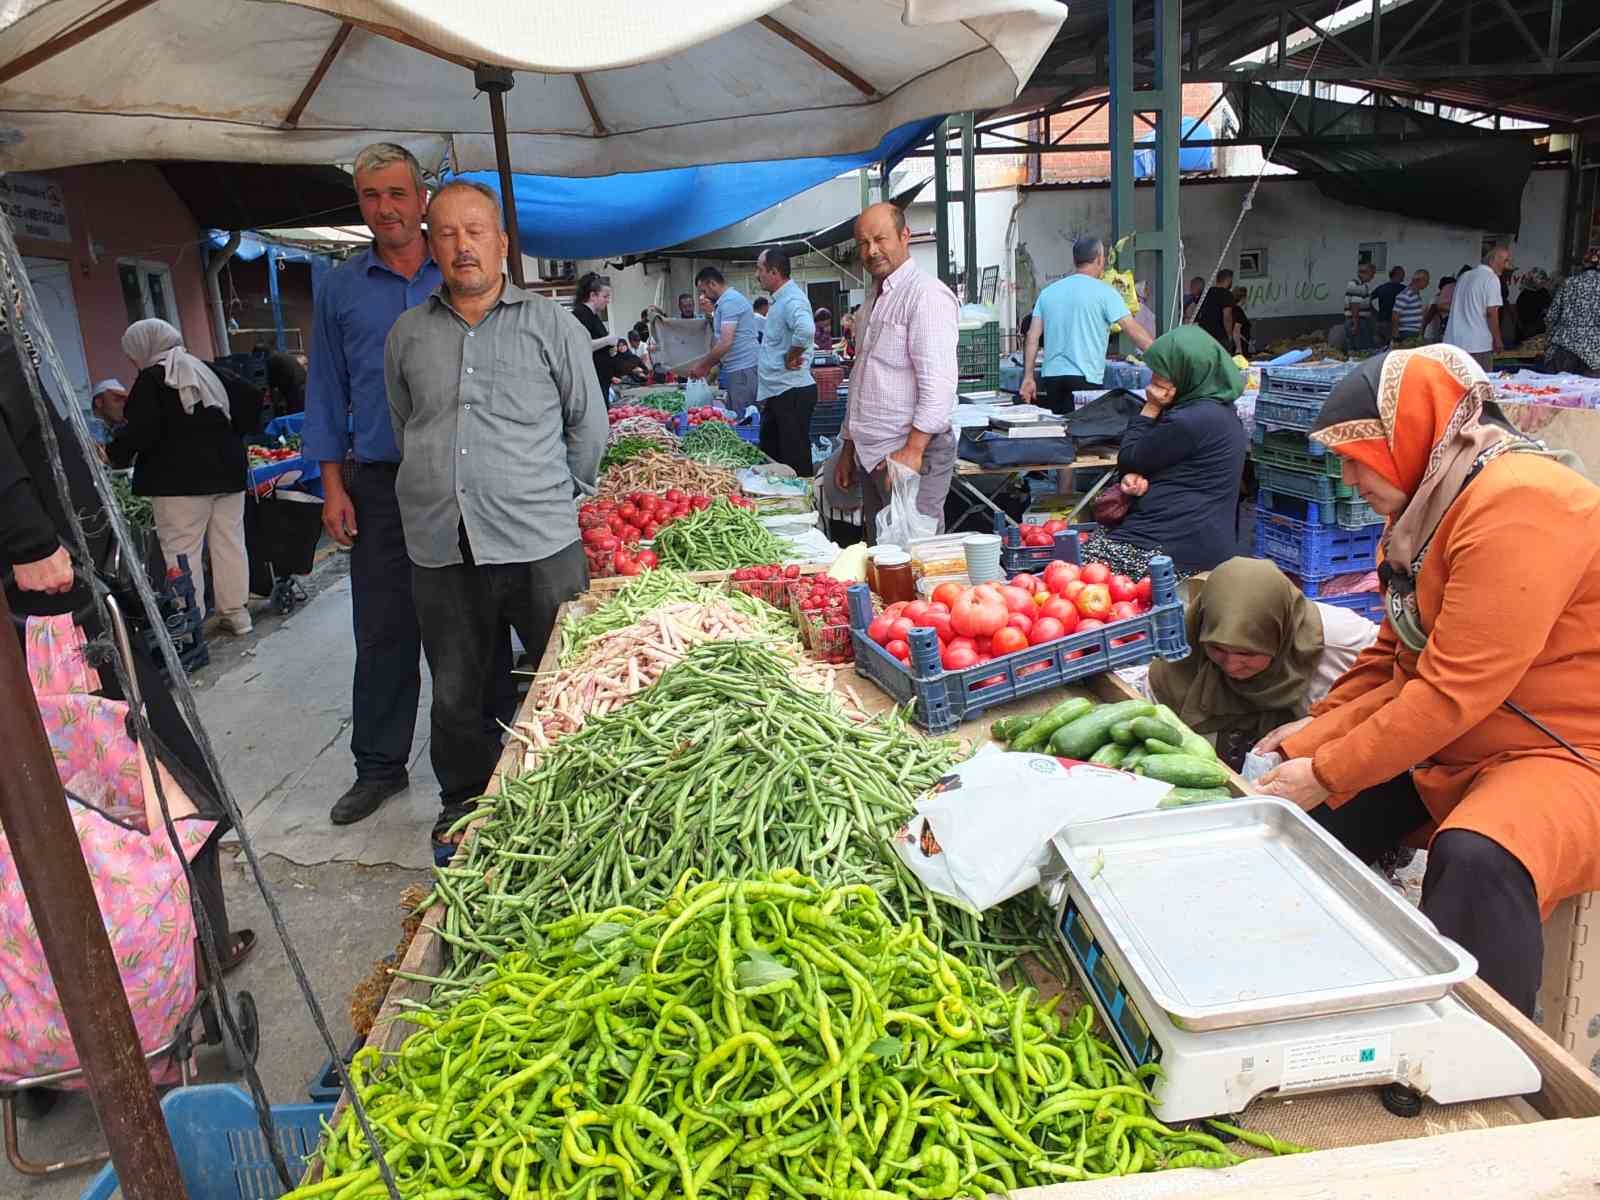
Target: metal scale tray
x,y
1246,911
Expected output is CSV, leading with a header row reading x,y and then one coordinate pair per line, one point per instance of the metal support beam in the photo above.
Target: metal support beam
x,y
1572,233
497,81
275,297
969,206
941,200
55,883
1164,238
1119,15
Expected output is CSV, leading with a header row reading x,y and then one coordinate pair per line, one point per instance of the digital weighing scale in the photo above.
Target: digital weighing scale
x,y
1238,945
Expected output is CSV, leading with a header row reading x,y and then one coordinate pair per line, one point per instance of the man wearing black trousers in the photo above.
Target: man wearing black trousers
x,y
784,387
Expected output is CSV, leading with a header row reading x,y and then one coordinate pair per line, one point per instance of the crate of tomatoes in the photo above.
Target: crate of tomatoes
x,y
967,649
613,530
821,607
1031,546
771,582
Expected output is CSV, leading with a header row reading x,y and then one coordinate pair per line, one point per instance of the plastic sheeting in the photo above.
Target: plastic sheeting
x,y
1190,158
651,210
601,88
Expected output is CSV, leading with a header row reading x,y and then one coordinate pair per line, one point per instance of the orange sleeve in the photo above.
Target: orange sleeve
x,y
1504,591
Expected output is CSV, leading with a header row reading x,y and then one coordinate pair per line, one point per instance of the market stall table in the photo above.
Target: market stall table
x,y
967,471
1549,1142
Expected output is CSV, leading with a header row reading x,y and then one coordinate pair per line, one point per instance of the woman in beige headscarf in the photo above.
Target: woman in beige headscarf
x,y
183,439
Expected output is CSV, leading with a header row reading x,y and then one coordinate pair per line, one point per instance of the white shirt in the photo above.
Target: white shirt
x,y
1345,635
1476,292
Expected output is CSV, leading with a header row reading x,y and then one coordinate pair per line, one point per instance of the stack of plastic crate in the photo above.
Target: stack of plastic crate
x,y
978,357
1308,520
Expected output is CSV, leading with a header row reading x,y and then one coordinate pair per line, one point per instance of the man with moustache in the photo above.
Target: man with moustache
x,y
500,418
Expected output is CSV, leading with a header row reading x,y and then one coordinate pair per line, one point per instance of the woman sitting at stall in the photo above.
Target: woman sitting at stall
x,y
1182,460
1262,655
1473,716
182,435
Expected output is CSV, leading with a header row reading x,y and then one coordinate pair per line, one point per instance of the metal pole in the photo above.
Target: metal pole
x,y
969,205
1164,239
1120,134
497,81
276,296
55,881
941,201
1571,229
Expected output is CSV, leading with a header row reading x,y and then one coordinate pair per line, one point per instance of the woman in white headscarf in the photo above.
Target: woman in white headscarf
x,y
183,439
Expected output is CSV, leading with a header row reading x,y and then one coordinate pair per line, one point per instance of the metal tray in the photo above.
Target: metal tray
x,y
1247,911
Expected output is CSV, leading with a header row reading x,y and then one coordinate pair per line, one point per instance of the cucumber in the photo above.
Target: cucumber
x,y
1181,797
1153,746
1041,730
1147,729
1186,770
1122,734
1109,755
1088,733
1007,729
1192,743
1132,759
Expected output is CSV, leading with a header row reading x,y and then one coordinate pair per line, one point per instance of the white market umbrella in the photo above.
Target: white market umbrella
x,y
601,87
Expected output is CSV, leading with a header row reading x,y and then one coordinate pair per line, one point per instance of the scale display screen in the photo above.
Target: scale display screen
x,y
1115,1004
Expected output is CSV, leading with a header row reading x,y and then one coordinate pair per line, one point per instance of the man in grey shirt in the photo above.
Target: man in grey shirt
x,y
733,324
499,419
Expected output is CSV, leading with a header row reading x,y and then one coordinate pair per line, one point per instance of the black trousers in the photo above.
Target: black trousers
x,y
1474,890
1056,392
786,428
464,611
388,678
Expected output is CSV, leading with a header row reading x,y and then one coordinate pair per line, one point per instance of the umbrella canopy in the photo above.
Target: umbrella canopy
x,y
604,87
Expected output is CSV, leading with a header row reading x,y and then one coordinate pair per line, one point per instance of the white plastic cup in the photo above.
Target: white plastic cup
x,y
982,551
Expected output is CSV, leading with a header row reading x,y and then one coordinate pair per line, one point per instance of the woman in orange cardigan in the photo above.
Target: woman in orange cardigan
x,y
1476,715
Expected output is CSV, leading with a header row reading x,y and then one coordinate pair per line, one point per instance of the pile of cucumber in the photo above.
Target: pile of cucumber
x,y
1131,735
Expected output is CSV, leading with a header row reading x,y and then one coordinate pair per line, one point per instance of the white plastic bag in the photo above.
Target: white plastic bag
x,y
697,393
899,523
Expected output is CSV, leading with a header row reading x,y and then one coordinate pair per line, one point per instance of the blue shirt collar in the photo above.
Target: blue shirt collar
x,y
370,261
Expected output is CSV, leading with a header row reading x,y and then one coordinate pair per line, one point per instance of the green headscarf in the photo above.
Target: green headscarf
x,y
1197,364
1248,604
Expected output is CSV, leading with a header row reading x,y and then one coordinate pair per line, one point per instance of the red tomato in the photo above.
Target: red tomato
x,y
675,495
1085,626
939,622
917,612
628,511
1122,610
958,655
700,502
895,609
1095,601
899,649
1020,621
1024,581
1018,600
983,645
935,606
647,558
901,628
1041,538
627,565
1095,572
1008,641
878,631
1069,621
1122,588
650,529
1055,527
1046,629
1073,590
1028,527
1040,599
978,612
1143,589
1058,608
947,594
1060,582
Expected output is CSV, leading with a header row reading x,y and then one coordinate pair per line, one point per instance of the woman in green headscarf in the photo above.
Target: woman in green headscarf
x,y
1182,460
1261,655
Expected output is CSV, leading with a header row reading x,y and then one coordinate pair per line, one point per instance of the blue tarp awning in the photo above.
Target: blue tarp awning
x,y
1190,158
615,215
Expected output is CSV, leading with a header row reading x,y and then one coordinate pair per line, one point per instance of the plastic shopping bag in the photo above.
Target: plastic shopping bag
x,y
697,393
899,523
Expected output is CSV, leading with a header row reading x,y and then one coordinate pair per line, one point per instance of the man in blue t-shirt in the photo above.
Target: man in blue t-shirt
x,y
733,324
1073,317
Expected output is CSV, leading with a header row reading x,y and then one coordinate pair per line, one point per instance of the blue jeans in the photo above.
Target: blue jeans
x,y
1360,334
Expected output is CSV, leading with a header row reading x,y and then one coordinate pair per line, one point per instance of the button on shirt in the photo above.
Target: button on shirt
x,y
496,422
346,404
789,324
733,309
905,370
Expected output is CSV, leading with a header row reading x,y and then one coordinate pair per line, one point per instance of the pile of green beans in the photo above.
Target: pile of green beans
x,y
623,449
668,400
137,511
722,537
718,444
748,1040
650,591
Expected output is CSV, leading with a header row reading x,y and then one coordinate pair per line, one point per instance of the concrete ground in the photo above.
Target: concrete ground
x,y
276,704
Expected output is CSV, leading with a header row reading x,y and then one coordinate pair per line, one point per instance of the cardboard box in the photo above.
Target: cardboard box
x,y
1569,995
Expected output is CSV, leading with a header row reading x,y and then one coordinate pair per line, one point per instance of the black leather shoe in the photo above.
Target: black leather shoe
x,y
363,799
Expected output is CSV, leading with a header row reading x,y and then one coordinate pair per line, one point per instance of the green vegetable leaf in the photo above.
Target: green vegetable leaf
x,y
597,935
759,969
887,1049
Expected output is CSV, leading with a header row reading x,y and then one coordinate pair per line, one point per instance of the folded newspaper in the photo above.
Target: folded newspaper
x,y
983,834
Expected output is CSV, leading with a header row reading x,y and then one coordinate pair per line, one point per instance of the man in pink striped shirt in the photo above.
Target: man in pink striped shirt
x,y
903,384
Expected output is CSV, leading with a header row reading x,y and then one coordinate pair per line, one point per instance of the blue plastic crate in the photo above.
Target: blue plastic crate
x,y
220,1149
1288,412
750,430
943,699
827,418
1311,380
1368,604
1015,557
324,1087
1352,513
1304,484
1292,449
1315,551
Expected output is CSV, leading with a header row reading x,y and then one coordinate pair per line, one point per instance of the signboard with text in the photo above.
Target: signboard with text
x,y
36,207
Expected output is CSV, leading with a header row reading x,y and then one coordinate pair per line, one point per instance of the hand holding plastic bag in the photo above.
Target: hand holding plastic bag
x,y
697,393
900,523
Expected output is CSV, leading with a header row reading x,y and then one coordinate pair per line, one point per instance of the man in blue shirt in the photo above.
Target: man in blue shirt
x,y
1073,317
733,323
784,385
348,430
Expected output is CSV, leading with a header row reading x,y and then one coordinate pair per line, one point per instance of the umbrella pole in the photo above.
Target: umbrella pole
x,y
55,882
497,81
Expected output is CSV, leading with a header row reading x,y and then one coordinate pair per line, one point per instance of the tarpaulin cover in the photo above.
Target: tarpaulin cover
x,y
601,88
1420,177
1190,158
650,210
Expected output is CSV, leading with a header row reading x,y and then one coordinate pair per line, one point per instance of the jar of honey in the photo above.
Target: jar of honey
x,y
892,566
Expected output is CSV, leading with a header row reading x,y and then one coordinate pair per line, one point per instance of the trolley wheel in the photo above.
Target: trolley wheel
x,y
244,1015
